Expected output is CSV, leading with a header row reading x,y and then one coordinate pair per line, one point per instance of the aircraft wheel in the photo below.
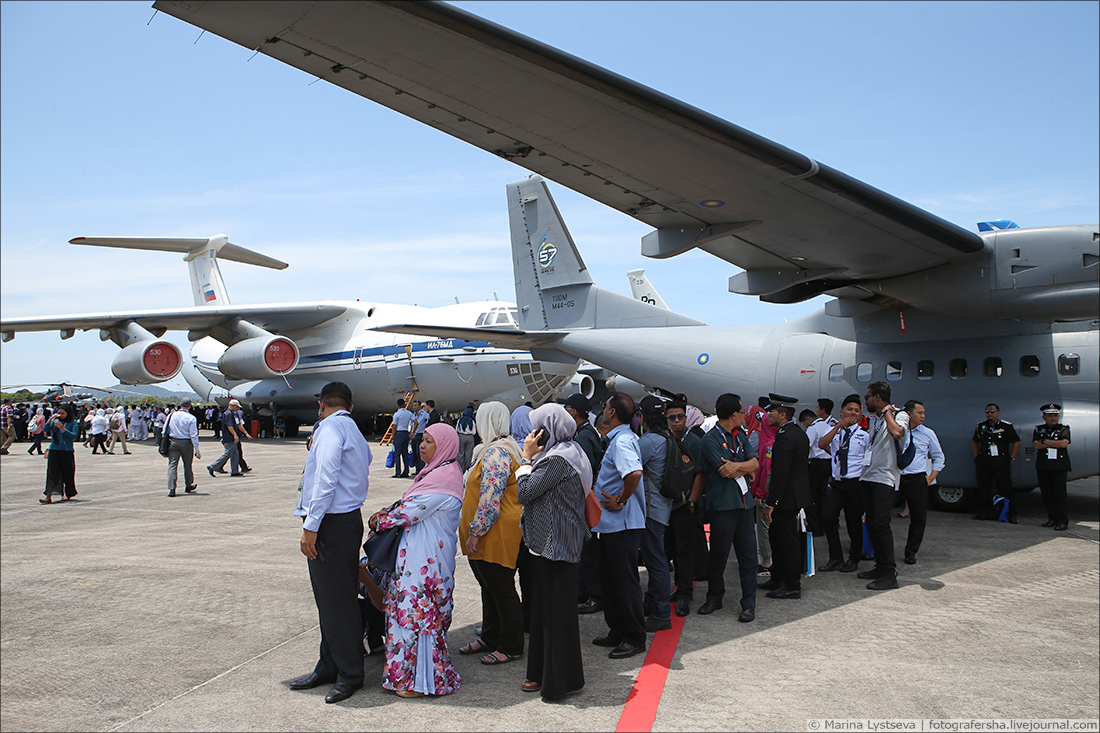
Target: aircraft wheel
x,y
291,427
950,499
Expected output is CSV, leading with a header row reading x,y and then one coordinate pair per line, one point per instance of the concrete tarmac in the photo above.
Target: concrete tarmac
x,y
128,610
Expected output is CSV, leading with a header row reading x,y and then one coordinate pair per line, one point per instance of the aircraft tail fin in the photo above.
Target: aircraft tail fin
x,y
554,290
642,289
207,285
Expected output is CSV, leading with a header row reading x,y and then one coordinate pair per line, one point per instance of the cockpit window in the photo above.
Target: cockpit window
x,y
502,317
481,319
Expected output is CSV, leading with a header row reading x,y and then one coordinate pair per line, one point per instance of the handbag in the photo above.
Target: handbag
x,y
381,548
165,441
592,510
389,458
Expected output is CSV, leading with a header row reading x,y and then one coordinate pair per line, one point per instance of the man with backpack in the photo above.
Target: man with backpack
x,y
880,480
657,448
116,426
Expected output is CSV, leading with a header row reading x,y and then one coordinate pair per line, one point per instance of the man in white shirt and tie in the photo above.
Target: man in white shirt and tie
x,y
846,442
334,487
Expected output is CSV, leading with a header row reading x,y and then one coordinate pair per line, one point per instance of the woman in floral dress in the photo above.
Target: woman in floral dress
x,y
419,596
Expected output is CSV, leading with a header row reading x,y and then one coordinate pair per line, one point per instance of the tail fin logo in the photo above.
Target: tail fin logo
x,y
208,293
547,250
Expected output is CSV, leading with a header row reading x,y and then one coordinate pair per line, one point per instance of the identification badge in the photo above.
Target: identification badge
x,y
993,450
1052,454
301,486
866,458
744,484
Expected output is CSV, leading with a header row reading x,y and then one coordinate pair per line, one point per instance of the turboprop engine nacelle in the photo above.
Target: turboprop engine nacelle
x,y
147,362
259,358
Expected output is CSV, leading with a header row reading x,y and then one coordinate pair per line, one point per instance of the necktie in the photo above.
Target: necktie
x,y
842,454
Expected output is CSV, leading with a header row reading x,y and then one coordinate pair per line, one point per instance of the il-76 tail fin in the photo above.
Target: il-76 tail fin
x,y
553,288
207,285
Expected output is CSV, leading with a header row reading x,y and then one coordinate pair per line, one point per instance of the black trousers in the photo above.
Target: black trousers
x,y
914,488
622,588
681,527
734,528
786,553
843,494
588,572
878,502
240,455
993,472
501,615
401,452
334,576
417,439
820,470
1055,499
60,473
699,542
554,652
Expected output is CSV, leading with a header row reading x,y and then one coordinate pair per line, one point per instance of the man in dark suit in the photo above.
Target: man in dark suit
x,y
788,492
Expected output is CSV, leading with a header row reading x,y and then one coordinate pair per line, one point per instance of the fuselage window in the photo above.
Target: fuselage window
x,y
1069,365
957,368
925,369
992,366
864,371
836,373
1029,366
893,371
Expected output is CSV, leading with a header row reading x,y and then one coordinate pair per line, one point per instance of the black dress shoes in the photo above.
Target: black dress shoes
x,y
770,585
884,582
310,681
211,472
1012,519
910,558
785,592
606,641
624,650
683,607
831,566
1062,527
1048,523
653,624
849,566
709,607
190,488
171,493
590,606
871,574
341,691
747,615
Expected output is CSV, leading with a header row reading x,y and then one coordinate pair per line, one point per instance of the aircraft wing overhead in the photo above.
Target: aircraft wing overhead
x,y
699,180
506,338
275,318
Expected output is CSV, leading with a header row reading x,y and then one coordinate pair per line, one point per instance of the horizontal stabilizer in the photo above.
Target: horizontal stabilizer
x,y
191,246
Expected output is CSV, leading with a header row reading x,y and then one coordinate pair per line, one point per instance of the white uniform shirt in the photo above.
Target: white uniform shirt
x,y
818,429
336,476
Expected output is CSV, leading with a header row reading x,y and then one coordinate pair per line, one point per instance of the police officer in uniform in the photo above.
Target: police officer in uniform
x,y
1051,440
788,494
996,446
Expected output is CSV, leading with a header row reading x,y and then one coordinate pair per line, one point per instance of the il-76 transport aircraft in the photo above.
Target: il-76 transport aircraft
x,y
954,317
277,356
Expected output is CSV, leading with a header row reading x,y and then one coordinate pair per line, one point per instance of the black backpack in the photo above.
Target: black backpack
x,y
679,471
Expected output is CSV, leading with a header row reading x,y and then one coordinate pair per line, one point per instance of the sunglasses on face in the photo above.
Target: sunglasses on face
x,y
677,418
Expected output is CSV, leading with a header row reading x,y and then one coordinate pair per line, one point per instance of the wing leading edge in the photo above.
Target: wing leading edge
x,y
794,225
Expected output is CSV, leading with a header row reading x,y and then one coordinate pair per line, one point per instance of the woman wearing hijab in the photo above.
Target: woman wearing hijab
x,y
419,595
61,460
489,534
37,430
553,482
520,424
98,431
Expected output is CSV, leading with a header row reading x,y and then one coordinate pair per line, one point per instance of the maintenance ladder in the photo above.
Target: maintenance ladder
x,y
387,439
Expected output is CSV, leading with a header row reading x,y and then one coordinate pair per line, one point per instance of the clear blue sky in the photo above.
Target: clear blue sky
x,y
110,126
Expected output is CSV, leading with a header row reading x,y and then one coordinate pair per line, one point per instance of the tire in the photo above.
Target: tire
x,y
950,499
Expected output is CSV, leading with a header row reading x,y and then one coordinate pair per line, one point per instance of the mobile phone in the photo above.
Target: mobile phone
x,y
544,437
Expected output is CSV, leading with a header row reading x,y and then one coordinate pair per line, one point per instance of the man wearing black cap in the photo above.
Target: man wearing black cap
x,y
1051,440
996,445
788,493
334,487
589,594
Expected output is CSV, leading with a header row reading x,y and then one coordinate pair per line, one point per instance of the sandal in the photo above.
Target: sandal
x,y
47,500
529,686
475,646
499,658
409,693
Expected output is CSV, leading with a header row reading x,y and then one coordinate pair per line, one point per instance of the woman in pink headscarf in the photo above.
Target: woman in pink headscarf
x,y
419,596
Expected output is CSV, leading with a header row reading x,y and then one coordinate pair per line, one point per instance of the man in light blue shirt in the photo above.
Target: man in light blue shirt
x,y
183,437
654,450
421,417
927,463
621,527
402,421
334,487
